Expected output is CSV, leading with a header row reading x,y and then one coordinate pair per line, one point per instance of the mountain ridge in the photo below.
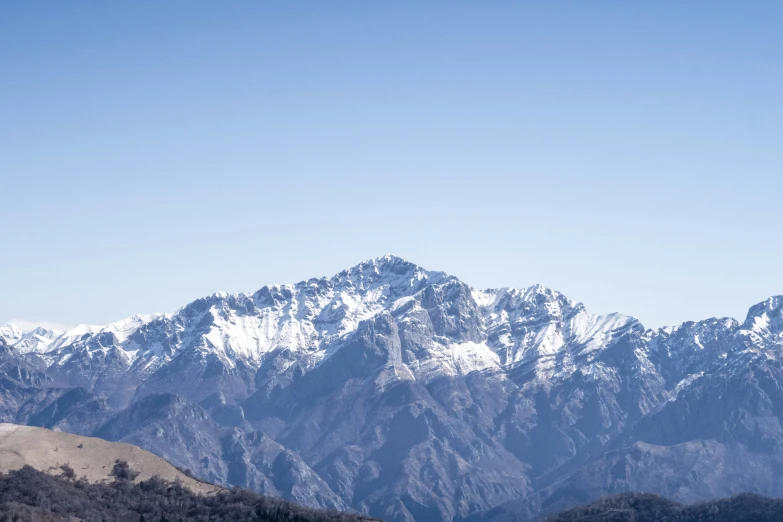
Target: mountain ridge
x,y
12,334
407,394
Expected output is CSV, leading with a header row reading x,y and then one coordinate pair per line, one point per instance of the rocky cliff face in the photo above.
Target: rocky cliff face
x,y
409,395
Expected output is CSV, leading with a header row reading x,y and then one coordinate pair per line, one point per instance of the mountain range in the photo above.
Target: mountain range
x,y
408,395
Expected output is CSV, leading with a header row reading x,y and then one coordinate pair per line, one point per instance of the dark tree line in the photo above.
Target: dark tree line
x,y
30,495
634,507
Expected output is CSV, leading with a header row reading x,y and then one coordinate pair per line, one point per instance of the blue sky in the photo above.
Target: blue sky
x,y
627,154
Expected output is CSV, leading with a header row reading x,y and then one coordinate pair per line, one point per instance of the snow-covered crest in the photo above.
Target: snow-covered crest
x,y
492,329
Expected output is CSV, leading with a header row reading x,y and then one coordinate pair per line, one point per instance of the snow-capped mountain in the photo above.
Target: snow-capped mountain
x,y
407,394
11,333
38,340
497,329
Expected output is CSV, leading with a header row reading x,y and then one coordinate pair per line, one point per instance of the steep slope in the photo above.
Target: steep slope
x,y
184,433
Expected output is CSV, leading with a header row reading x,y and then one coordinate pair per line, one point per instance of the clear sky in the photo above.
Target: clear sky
x,y
628,154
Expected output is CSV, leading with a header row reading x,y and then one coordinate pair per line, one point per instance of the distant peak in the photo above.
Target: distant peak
x,y
47,333
10,330
539,289
535,292
771,305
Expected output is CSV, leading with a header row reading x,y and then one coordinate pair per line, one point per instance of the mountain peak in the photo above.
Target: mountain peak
x,y
11,333
388,257
386,263
772,305
387,269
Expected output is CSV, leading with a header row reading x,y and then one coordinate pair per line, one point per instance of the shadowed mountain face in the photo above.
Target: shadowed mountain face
x,y
408,395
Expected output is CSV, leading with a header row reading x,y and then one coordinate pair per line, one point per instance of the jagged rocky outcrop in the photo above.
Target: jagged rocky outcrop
x,y
409,395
